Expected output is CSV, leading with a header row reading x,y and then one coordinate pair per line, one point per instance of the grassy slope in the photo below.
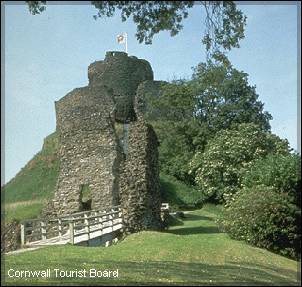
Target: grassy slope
x,y
193,252
26,193
179,195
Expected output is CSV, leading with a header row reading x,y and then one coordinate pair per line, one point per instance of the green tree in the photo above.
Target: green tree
x,y
225,98
179,132
224,22
187,114
220,168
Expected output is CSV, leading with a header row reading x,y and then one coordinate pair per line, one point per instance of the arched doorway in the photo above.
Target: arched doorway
x,y
85,197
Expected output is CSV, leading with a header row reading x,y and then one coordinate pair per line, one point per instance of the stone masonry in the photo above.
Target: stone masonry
x,y
91,154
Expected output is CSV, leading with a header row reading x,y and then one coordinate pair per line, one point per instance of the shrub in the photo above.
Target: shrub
x,y
281,172
265,218
220,168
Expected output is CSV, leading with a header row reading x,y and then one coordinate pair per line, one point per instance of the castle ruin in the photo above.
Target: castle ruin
x,y
108,152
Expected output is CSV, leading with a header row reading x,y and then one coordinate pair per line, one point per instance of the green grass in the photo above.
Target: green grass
x,y
38,178
177,194
22,210
34,184
193,252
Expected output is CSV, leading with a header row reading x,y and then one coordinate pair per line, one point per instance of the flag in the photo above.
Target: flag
x,y
121,39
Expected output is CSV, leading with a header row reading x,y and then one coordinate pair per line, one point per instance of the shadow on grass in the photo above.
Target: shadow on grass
x,y
172,273
174,221
195,230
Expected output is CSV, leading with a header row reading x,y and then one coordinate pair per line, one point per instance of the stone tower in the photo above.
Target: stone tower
x,y
92,154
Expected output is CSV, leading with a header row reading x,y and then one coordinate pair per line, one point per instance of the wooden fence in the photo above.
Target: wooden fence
x,y
70,227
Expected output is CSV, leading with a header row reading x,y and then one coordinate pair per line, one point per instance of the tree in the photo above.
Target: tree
x,y
220,168
187,114
225,98
171,113
224,23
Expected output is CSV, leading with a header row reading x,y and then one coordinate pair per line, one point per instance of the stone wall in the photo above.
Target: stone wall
x,y
139,186
89,151
10,236
92,155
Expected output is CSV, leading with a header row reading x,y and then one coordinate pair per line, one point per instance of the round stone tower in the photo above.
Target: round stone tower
x,y
93,163
122,74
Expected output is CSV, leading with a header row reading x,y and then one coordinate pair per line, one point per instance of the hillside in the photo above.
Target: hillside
x,y
26,193
192,252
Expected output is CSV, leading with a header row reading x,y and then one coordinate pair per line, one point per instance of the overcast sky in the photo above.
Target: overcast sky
x,y
47,55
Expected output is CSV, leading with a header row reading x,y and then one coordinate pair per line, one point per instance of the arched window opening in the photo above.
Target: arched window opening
x,y
85,197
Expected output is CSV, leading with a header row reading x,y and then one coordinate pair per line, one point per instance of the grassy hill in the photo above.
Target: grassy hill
x,y
25,195
192,252
179,195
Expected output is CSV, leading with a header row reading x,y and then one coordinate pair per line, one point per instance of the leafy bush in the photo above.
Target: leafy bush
x,y
265,218
220,168
281,172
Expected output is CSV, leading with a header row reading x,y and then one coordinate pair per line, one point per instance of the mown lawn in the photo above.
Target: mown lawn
x,y
193,252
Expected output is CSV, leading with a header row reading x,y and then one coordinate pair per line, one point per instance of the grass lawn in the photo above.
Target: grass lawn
x,y
192,252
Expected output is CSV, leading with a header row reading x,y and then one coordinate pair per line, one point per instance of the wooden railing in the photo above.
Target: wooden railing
x,y
76,224
84,226
69,228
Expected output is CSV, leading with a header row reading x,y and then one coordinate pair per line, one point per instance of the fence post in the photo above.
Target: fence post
x,y
113,217
100,219
71,231
22,233
120,219
60,228
43,229
99,213
111,221
87,227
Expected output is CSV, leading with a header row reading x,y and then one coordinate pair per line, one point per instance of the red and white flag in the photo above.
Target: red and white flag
x,y
122,39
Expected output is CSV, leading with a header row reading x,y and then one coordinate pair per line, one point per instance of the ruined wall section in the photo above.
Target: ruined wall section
x,y
89,151
139,186
123,75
